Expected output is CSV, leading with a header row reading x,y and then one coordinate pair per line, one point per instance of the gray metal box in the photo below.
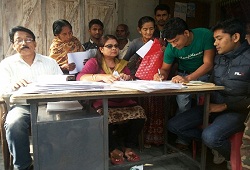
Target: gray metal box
x,y
70,140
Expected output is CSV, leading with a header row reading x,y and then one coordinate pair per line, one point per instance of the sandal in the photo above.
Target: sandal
x,y
116,157
181,147
130,155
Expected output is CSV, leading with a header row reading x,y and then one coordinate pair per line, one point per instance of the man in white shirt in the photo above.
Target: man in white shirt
x,y
122,34
17,71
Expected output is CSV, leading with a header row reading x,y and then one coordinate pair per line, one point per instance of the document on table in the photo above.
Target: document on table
x,y
144,49
80,59
198,83
147,85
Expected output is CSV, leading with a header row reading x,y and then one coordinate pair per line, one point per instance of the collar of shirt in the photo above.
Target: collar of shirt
x,y
18,58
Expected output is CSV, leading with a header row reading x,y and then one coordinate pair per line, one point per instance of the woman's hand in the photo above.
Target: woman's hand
x,y
109,78
217,107
69,67
125,77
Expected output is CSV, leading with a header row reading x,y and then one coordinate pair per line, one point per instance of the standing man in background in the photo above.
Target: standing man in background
x,y
95,31
162,15
122,34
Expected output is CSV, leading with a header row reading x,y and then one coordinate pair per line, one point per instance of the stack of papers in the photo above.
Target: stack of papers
x,y
80,86
63,106
53,78
64,87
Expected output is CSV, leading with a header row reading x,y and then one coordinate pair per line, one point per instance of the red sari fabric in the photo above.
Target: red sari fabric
x,y
154,126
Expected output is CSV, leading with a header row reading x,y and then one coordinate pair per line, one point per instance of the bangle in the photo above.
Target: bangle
x,y
93,77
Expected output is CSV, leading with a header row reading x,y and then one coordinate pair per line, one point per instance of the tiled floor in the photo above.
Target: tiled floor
x,y
153,159
1,160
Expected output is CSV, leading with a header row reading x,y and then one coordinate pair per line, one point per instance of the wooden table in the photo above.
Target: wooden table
x,y
35,99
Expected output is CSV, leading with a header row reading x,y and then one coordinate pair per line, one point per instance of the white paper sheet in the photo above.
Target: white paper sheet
x,y
64,87
144,49
79,58
63,106
147,85
52,78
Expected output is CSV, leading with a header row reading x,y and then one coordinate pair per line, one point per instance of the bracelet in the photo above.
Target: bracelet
x,y
93,77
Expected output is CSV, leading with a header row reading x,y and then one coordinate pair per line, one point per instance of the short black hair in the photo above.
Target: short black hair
x,y
232,26
59,24
162,7
125,26
95,21
145,19
173,27
20,28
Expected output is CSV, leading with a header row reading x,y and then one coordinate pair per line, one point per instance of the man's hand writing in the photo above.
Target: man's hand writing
x,y
158,77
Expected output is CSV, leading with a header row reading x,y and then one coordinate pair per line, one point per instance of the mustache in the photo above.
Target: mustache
x,y
23,47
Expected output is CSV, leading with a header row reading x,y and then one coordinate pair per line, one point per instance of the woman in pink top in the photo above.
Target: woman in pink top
x,y
125,116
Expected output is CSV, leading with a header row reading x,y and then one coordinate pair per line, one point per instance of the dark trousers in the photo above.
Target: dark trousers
x,y
125,134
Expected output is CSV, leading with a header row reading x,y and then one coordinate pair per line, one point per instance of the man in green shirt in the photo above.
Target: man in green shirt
x,y
193,50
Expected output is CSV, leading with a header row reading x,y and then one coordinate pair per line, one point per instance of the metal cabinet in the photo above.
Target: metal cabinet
x,y
69,140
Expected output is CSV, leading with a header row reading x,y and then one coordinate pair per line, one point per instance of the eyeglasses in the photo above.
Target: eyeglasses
x,y
110,46
20,41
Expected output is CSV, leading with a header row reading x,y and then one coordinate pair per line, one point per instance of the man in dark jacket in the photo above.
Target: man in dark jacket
x,y
245,147
228,108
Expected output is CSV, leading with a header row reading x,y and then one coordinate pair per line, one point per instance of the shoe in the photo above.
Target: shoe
x,y
131,156
229,165
218,158
116,157
170,151
31,167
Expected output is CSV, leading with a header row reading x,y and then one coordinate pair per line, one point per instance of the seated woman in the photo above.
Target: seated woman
x,y
124,114
64,43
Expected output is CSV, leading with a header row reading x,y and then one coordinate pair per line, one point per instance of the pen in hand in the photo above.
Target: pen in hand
x,y
159,72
